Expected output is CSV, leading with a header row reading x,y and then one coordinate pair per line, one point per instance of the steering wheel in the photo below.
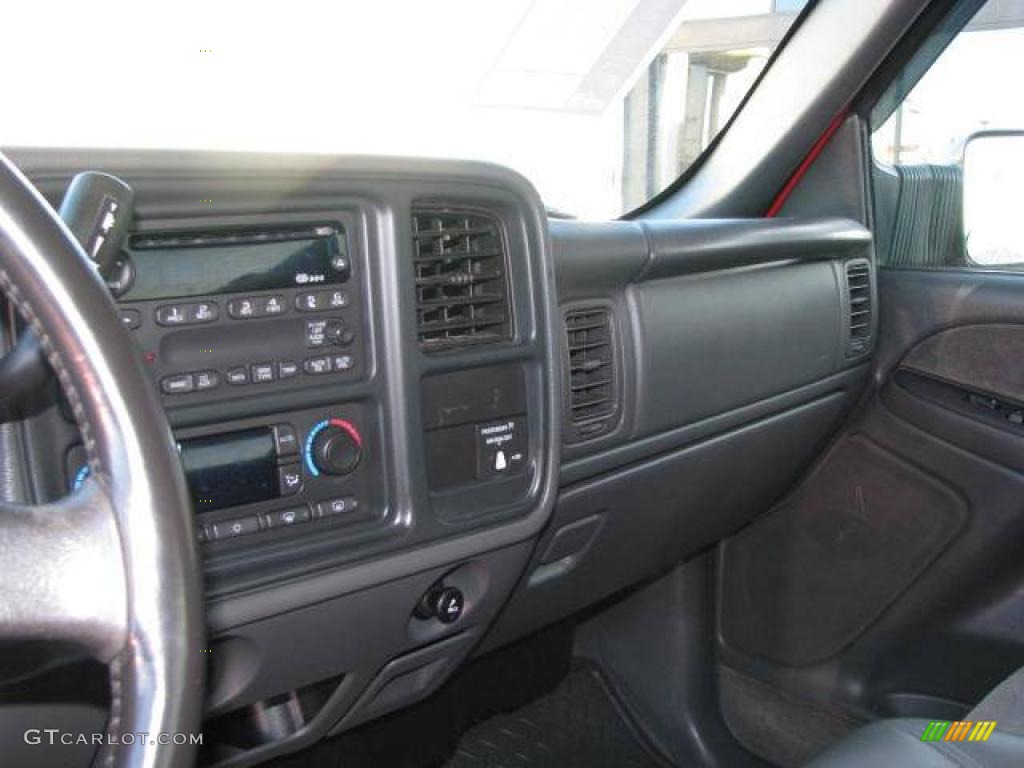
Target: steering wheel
x,y
111,571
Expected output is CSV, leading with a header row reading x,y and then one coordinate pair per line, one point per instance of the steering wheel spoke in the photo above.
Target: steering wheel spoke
x,y
63,578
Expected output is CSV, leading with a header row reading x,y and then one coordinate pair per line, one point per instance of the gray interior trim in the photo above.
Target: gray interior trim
x,y
989,358
835,184
776,725
656,647
922,302
638,450
594,258
685,248
712,342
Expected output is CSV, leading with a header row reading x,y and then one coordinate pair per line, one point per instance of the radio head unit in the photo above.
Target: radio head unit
x,y
219,313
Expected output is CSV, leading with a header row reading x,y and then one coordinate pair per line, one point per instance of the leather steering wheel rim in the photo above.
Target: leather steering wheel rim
x,y
112,570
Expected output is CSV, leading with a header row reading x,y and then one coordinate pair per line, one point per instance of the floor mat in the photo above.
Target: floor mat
x,y
578,724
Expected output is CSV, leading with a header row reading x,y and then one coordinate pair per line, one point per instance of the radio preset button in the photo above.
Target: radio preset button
x,y
285,517
257,306
207,380
307,302
178,384
173,314
315,366
203,312
286,440
274,305
243,309
340,263
287,369
315,301
262,373
238,376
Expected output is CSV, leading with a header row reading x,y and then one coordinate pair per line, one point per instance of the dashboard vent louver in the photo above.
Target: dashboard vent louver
x,y
462,294
858,284
592,385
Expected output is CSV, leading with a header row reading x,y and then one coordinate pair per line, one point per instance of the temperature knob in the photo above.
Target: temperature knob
x,y
333,447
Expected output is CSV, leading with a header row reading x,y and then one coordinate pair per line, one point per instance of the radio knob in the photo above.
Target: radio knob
x,y
337,448
336,332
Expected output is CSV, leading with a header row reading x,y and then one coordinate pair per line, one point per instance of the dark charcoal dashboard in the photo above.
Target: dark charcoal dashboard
x,y
354,360
404,446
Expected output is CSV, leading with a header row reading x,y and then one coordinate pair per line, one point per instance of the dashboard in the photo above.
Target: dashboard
x,y
355,368
419,420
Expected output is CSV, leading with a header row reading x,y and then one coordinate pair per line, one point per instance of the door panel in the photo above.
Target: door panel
x,y
924,491
952,358
985,358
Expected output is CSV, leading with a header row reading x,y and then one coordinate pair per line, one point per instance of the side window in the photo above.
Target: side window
x,y
949,154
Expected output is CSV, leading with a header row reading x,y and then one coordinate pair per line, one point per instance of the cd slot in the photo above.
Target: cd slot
x,y
243,237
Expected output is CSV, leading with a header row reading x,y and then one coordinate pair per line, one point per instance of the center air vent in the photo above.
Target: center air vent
x,y
462,295
858,282
592,385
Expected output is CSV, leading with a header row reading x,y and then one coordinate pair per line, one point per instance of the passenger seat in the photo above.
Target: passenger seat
x,y
898,742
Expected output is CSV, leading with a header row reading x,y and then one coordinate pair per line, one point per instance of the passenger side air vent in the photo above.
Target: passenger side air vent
x,y
858,284
462,294
593,397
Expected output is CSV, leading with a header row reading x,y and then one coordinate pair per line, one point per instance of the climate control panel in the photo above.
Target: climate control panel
x,y
322,479
298,472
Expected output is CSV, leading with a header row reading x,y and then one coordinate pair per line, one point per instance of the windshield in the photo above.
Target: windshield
x,y
600,104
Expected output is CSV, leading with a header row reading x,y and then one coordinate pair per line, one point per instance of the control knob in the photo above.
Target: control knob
x,y
334,448
444,603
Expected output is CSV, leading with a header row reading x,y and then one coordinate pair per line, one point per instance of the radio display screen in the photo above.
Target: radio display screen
x,y
232,469
167,267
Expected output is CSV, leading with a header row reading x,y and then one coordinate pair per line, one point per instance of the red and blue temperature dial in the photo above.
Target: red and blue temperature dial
x,y
333,447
